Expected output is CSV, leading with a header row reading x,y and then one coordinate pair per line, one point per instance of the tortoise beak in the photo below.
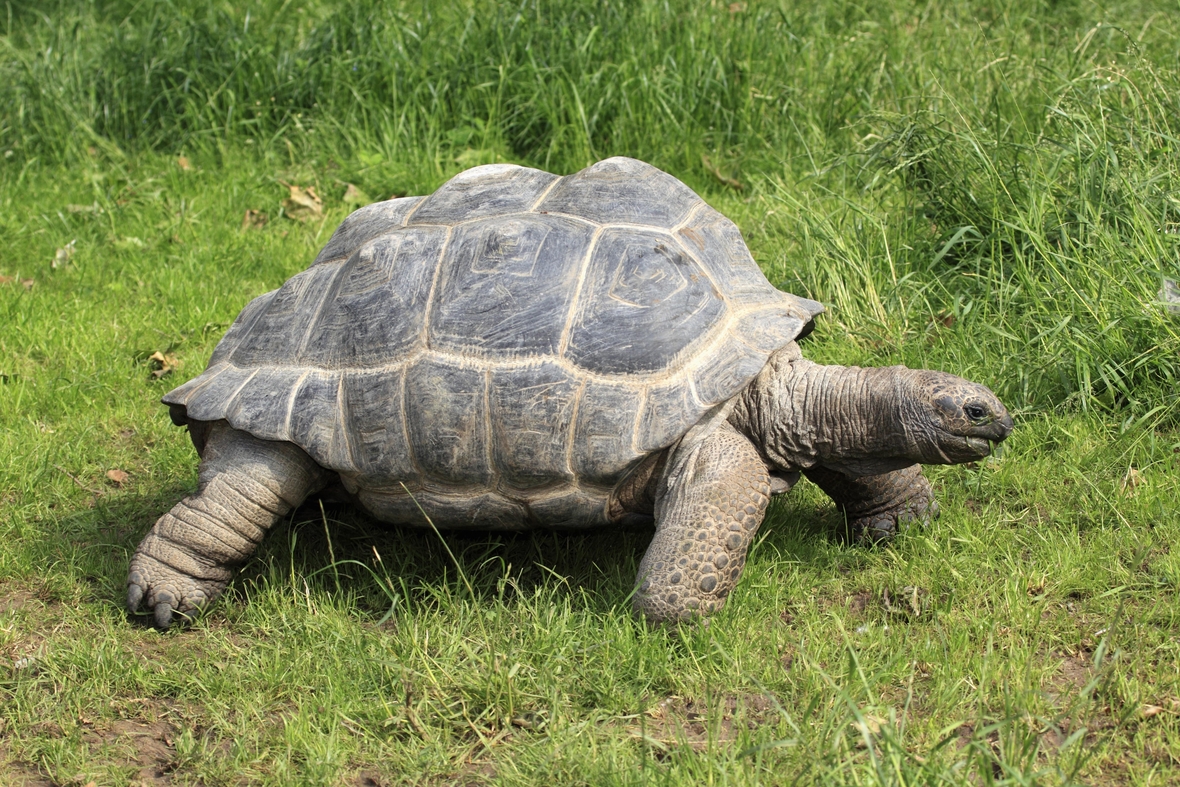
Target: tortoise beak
x,y
1000,428
985,439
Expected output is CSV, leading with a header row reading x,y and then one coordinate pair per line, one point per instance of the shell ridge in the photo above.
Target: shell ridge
x,y
692,214
494,476
313,418
291,401
406,219
478,219
676,366
490,190
403,401
325,297
544,194
691,383
231,400
185,393
575,302
700,264
246,329
572,431
342,428
424,336
643,395
557,214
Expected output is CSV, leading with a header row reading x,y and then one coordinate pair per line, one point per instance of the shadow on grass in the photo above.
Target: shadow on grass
x,y
339,547
327,546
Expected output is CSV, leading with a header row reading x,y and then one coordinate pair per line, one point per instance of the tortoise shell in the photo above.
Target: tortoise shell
x,y
507,348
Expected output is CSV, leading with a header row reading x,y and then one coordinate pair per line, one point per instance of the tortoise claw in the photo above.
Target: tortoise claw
x,y
167,592
884,526
163,613
134,596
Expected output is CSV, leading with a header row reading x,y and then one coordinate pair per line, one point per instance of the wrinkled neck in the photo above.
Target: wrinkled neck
x,y
846,418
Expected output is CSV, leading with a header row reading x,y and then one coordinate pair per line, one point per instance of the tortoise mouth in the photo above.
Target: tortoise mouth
x,y
956,449
980,446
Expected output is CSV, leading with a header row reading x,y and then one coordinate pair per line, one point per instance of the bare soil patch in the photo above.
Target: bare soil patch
x,y
144,742
696,723
19,773
1074,674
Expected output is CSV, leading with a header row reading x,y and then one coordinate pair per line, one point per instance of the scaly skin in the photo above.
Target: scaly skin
x,y
864,422
858,433
712,505
877,507
246,485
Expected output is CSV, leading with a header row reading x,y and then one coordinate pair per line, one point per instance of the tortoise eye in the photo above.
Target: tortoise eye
x,y
975,412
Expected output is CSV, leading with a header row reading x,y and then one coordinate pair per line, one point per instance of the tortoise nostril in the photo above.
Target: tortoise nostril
x,y
1003,427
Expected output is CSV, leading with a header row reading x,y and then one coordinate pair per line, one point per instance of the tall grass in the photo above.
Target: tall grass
x,y
992,188
559,84
1002,174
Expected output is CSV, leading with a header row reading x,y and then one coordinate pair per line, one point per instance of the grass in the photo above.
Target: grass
x,y
991,189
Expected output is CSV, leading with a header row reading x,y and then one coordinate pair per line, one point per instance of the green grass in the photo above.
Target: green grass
x,y
990,189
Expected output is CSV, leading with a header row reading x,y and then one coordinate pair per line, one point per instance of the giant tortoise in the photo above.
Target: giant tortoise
x,y
520,350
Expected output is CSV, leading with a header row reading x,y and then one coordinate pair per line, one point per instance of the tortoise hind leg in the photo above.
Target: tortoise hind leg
x,y
190,554
877,506
711,504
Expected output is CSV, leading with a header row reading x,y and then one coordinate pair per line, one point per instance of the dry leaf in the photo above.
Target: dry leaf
x,y
129,243
1169,296
303,204
909,602
93,209
869,726
6,279
182,162
1147,711
162,364
736,8
661,708
27,283
354,197
525,721
117,477
62,257
254,220
1131,480
731,182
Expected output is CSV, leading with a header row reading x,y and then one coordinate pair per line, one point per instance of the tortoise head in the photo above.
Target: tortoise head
x,y
952,420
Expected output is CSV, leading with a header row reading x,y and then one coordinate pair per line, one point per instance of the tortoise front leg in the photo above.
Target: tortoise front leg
x,y
246,485
877,506
710,505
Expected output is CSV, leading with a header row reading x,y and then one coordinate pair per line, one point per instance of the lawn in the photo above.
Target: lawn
x,y
988,188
